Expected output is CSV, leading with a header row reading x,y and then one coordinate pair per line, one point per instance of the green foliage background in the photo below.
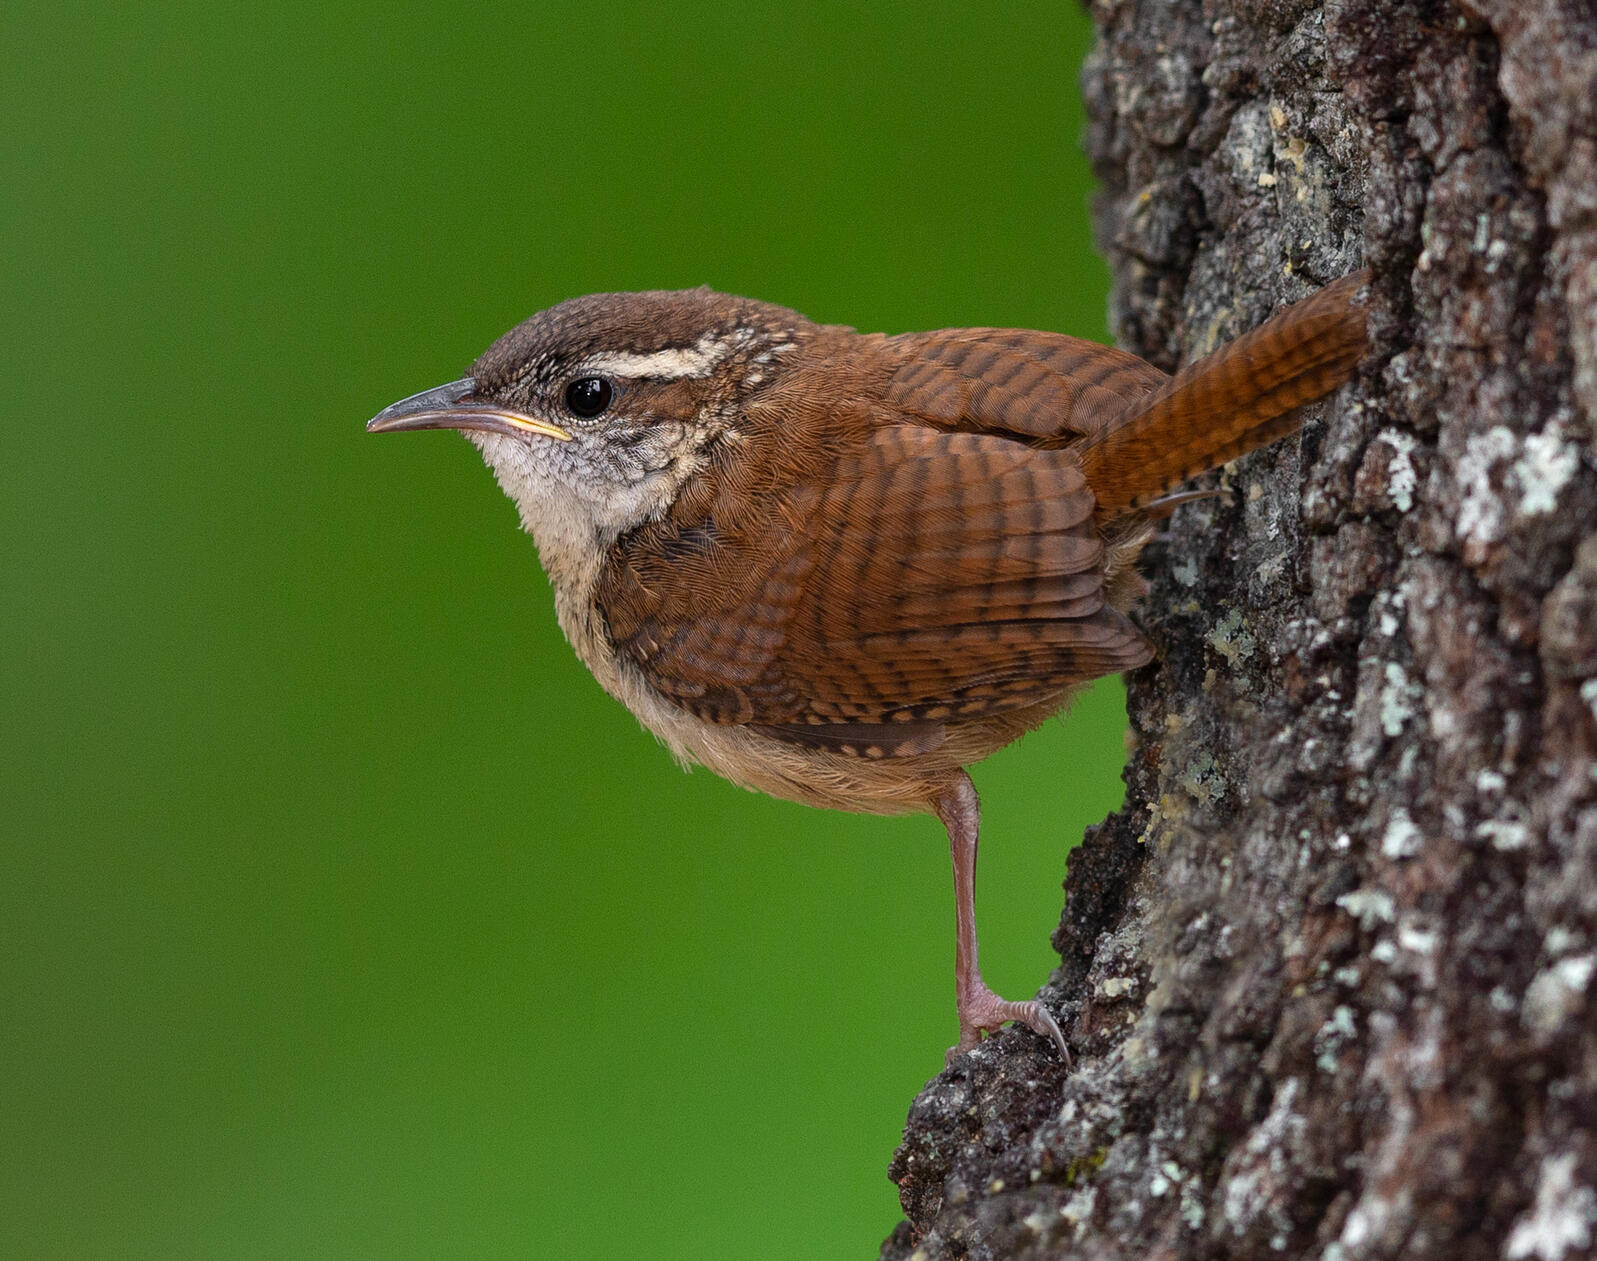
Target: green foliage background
x,y
341,915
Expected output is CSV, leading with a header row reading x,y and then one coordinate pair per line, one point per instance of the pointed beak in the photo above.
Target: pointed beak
x,y
450,407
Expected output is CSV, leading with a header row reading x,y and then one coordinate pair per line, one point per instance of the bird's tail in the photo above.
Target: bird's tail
x,y
1243,396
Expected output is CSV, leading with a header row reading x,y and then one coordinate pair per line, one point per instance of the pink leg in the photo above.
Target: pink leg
x,y
980,1010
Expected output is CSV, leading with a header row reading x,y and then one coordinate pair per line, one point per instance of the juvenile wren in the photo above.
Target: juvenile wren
x,y
840,568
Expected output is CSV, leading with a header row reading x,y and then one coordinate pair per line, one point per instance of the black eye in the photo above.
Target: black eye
x,y
588,396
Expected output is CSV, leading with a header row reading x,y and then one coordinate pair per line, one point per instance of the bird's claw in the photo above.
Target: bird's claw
x,y
982,1011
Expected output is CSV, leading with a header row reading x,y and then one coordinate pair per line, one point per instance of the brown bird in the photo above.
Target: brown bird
x,y
840,568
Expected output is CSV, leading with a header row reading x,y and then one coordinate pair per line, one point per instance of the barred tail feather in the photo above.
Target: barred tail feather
x,y
1243,396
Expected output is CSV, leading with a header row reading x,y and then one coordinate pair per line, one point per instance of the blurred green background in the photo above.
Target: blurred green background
x,y
341,915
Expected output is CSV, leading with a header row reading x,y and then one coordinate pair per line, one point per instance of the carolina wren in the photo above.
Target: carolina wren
x,y
840,568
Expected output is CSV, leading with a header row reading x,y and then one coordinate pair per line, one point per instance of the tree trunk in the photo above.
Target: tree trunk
x,y
1328,975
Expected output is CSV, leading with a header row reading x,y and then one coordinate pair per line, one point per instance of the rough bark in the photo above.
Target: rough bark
x,y
1328,975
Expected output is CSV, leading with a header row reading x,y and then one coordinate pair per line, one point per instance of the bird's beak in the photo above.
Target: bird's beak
x,y
449,407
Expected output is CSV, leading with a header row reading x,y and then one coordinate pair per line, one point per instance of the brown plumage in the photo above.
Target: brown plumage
x,y
1242,397
841,568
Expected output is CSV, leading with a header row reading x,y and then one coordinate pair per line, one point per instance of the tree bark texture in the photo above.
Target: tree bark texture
x,y
1329,975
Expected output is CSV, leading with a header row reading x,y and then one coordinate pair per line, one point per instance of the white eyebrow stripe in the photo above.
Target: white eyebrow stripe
x,y
668,365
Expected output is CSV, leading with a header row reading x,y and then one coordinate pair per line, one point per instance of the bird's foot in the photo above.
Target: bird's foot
x,y
981,1011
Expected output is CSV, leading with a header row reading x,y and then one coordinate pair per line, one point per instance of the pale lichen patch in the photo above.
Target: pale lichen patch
x,y
1401,478
1263,1159
1560,1223
1038,1220
1398,698
1540,464
1543,469
1369,906
1480,510
1402,838
1231,640
1202,780
1114,987
1506,835
1078,1208
1558,992
1489,782
1588,693
1332,1036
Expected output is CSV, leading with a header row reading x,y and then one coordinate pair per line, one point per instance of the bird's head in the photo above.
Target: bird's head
x,y
595,413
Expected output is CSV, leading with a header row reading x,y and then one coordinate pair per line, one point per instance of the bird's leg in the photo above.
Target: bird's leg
x,y
980,1010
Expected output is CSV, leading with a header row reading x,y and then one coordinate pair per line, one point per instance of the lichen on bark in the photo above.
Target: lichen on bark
x,y
1328,975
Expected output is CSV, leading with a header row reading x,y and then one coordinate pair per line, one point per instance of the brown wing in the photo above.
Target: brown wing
x,y
916,577
1040,385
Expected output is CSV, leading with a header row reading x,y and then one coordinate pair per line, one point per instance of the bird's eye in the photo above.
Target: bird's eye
x,y
588,396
